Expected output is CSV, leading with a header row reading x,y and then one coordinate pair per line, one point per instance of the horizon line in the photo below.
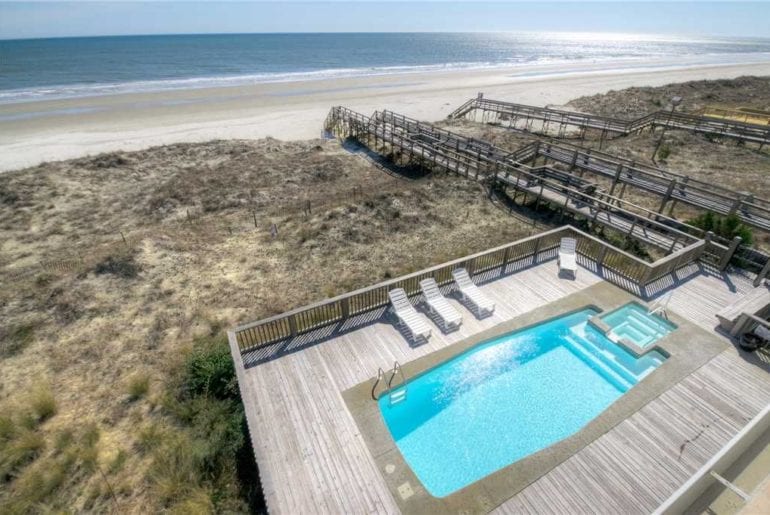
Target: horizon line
x,y
277,33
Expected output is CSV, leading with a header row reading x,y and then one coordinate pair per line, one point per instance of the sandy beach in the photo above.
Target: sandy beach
x,y
35,132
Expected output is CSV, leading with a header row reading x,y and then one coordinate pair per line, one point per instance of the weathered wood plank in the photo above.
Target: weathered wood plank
x,y
313,459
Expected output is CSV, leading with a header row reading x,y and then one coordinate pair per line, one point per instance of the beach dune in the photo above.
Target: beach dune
x,y
35,132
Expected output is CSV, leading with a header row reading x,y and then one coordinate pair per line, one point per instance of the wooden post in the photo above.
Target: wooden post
x,y
729,253
622,192
673,243
631,230
667,196
600,257
293,325
537,201
616,179
536,250
762,274
345,307
736,205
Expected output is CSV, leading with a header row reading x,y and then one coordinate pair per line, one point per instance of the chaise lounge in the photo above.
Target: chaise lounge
x,y
407,315
439,305
567,257
472,294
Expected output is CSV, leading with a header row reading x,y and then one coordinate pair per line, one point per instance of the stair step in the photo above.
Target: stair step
x,y
588,357
606,355
651,322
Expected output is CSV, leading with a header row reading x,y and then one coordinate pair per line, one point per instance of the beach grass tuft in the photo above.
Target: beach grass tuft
x,y
138,385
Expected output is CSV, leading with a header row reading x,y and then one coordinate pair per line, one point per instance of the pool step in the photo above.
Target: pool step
x,y
641,328
654,322
602,363
595,343
397,395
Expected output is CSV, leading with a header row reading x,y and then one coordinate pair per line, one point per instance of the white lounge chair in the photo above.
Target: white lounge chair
x,y
568,256
472,294
407,315
438,304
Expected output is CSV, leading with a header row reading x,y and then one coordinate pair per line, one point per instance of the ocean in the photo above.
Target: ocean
x,y
38,69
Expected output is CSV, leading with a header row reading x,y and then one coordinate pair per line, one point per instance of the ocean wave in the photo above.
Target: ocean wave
x,y
526,64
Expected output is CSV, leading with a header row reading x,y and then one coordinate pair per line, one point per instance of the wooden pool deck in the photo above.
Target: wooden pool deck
x,y
313,459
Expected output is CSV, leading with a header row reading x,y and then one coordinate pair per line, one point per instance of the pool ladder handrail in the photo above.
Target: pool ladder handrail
x,y
659,306
380,377
396,370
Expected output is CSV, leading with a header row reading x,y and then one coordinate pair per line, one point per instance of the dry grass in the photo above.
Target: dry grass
x,y
750,92
119,312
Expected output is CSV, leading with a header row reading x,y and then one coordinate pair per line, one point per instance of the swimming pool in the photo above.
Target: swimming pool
x,y
507,398
634,323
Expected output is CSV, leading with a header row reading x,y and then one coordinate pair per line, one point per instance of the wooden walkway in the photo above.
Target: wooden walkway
x,y
312,458
513,113
442,150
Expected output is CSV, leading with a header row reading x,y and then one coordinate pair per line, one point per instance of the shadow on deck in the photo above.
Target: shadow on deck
x,y
384,314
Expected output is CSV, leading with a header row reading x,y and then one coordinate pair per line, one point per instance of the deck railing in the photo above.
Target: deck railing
x,y
618,266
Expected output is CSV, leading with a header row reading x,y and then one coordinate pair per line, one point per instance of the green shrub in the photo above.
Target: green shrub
x,y
664,152
209,370
205,461
727,227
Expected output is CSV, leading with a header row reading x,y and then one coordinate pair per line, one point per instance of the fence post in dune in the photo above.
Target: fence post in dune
x,y
729,254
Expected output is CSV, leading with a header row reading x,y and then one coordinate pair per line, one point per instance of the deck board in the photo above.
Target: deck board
x,y
313,459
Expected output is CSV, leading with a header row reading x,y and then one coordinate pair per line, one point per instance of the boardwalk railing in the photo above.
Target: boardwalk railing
x,y
442,150
617,266
566,190
668,186
714,127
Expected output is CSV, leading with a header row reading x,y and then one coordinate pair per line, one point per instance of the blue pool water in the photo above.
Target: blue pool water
x,y
634,323
508,398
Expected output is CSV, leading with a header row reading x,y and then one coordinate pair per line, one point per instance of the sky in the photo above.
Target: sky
x,y
35,19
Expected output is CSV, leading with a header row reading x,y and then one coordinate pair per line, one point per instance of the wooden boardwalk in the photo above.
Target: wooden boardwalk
x,y
513,113
312,458
442,150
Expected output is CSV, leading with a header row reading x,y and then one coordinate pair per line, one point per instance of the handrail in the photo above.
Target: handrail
x,y
517,169
396,370
537,147
698,123
380,376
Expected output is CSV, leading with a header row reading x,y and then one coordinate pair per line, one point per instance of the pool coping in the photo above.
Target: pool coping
x,y
687,348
